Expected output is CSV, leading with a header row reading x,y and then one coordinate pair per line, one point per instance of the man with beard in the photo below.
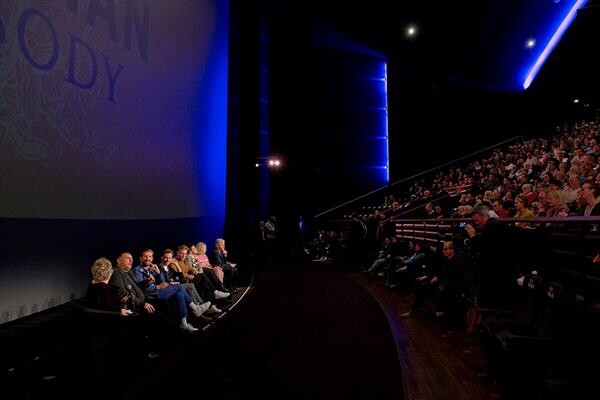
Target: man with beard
x,y
150,279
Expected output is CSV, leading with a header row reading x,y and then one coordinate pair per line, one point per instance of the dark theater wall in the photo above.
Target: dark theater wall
x,y
112,136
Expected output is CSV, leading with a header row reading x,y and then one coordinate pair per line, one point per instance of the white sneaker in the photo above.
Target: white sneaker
x,y
204,306
214,310
221,295
187,327
199,309
195,309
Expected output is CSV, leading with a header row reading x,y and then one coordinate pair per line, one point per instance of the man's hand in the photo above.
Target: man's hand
x,y
149,308
470,230
162,285
154,268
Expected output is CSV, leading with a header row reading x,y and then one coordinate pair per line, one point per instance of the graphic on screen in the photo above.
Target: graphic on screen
x,y
112,110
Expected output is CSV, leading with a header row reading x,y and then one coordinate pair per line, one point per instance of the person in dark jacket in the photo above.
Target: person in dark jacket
x,y
219,258
100,294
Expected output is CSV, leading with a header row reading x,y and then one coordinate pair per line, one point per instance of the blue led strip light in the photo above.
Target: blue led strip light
x,y
553,42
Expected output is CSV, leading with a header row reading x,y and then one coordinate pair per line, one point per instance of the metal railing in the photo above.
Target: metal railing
x,y
436,230
415,176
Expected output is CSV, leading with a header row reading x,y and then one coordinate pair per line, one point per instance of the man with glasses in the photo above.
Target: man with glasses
x,y
443,286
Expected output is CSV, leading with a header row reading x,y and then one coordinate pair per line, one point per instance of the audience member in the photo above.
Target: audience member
x,y
100,294
220,259
150,279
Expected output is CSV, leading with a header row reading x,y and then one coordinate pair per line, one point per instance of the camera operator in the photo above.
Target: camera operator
x,y
488,242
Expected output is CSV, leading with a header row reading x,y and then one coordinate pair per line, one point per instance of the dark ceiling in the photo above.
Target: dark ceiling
x,y
477,42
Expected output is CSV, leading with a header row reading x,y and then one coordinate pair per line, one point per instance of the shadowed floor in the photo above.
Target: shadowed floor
x,y
305,331
302,331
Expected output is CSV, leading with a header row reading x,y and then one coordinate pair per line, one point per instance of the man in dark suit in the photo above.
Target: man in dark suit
x,y
123,280
219,258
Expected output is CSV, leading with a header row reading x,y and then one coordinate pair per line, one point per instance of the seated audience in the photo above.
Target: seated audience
x,y
441,285
196,276
123,281
407,266
150,279
383,257
171,272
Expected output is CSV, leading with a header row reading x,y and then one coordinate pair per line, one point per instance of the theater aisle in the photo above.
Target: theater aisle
x,y
304,331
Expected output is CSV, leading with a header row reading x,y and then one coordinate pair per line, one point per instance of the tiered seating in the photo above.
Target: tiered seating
x,y
532,345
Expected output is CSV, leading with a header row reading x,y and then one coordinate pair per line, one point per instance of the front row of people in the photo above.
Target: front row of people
x,y
181,283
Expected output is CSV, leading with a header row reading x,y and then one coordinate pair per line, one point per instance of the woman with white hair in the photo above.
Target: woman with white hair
x,y
557,207
203,261
219,258
100,294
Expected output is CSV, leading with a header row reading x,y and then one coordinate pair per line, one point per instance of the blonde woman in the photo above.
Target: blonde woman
x,y
523,211
100,294
204,262
557,207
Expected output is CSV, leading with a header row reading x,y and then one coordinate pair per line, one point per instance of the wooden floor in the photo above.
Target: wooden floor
x,y
437,364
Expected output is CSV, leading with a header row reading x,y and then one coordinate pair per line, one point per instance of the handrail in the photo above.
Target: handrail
x,y
429,200
417,175
529,219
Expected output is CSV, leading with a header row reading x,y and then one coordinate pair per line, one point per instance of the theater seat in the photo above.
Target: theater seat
x,y
104,338
522,354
